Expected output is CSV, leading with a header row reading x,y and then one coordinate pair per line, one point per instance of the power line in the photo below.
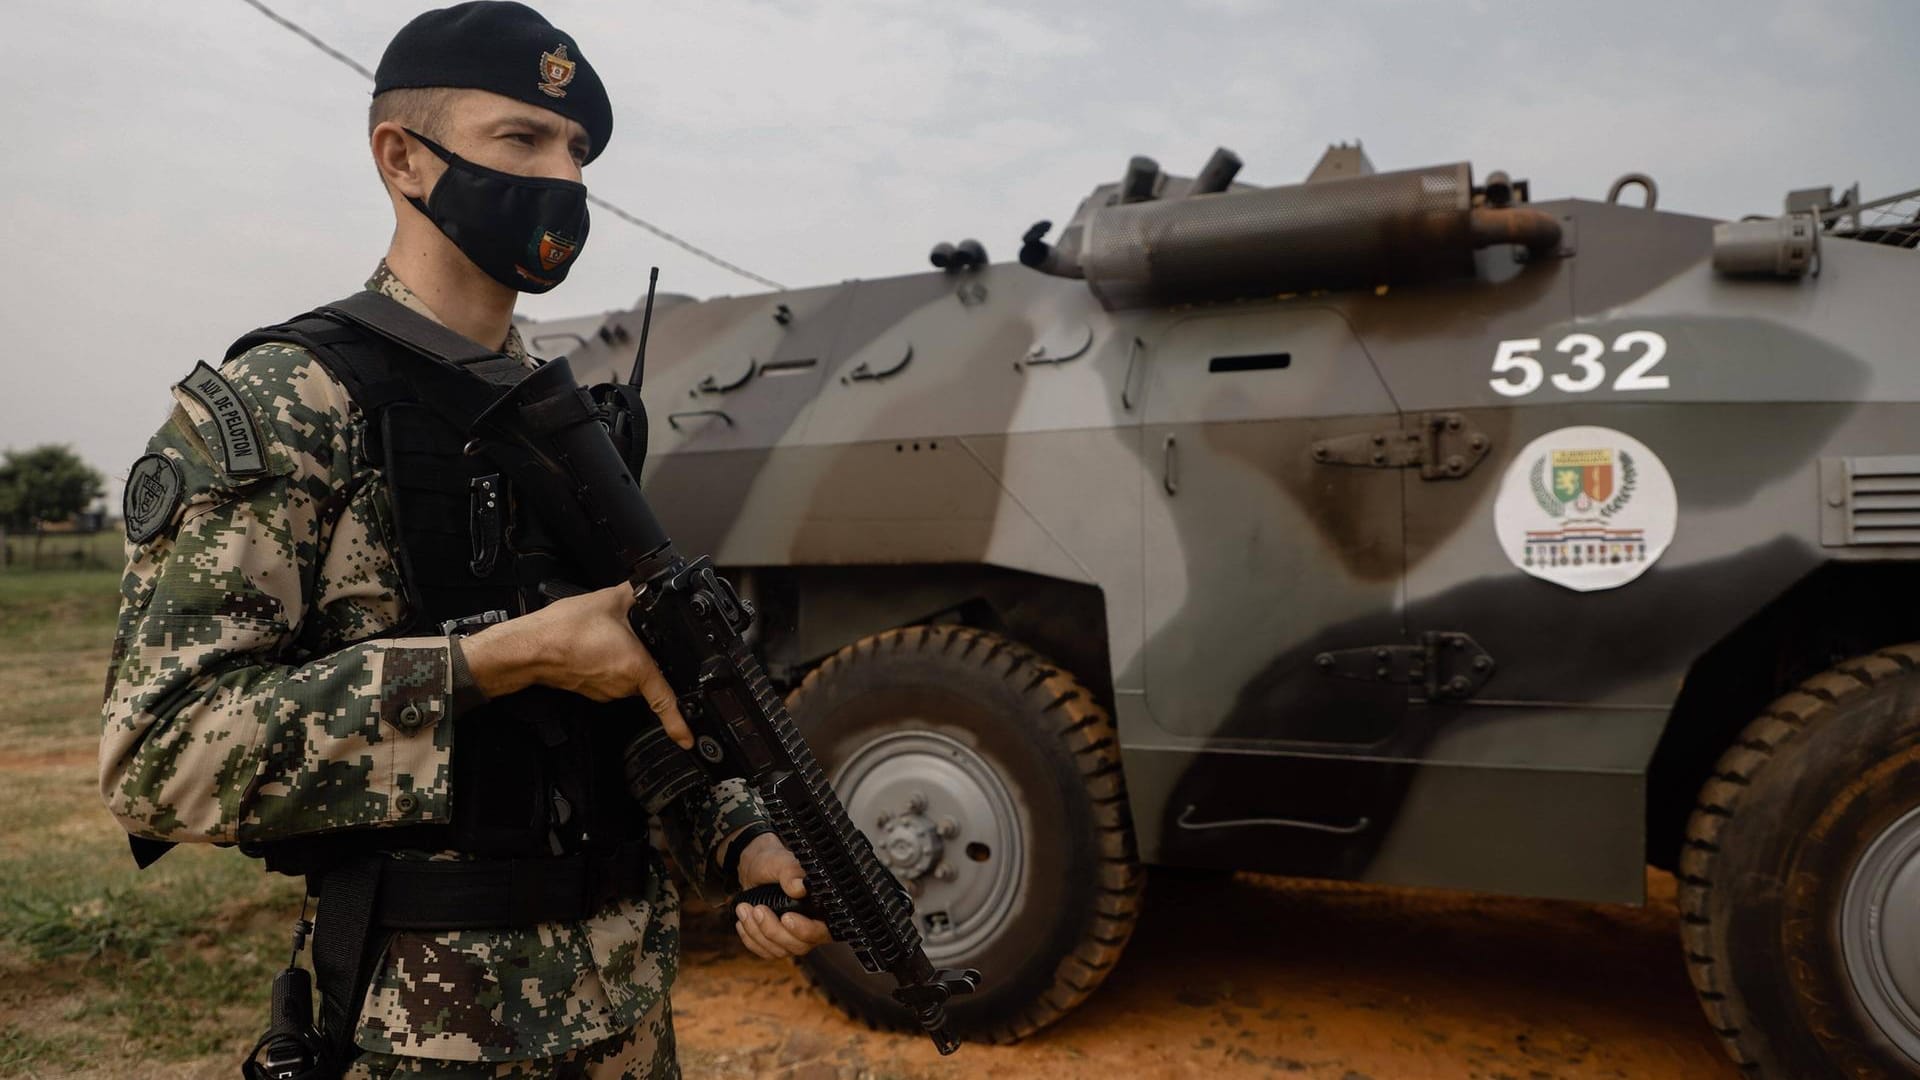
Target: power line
x,y
633,219
310,38
676,241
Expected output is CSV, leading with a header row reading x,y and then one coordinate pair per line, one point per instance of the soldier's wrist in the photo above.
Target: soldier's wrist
x,y
736,848
466,692
503,658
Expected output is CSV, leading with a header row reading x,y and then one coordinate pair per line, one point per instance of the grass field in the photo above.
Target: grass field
x,y
64,551
106,971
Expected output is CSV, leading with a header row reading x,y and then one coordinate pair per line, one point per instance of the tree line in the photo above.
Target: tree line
x,y
41,486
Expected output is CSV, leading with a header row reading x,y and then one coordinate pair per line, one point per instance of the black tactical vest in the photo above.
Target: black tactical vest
x,y
536,773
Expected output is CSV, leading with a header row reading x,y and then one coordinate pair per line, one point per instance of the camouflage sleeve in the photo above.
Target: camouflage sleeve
x,y
720,812
218,723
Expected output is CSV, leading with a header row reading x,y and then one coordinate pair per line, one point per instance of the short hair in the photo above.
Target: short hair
x,y
425,109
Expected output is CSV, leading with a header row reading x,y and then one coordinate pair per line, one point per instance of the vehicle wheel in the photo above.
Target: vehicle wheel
x,y
1800,879
989,781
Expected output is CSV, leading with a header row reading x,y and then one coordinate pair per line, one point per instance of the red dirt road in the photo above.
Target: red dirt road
x,y
1255,976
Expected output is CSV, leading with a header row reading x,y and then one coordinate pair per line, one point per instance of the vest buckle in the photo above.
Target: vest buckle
x,y
483,515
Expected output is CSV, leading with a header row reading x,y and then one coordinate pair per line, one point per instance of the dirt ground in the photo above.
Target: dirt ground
x,y
1254,976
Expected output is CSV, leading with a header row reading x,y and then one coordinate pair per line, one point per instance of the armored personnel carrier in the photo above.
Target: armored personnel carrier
x,y
1388,527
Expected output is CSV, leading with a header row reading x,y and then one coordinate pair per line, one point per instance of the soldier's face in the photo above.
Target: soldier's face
x,y
513,137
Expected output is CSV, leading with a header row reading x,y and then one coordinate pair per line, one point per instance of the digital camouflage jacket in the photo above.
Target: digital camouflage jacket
x,y
251,698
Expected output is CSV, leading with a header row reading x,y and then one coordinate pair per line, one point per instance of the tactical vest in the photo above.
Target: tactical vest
x,y
536,773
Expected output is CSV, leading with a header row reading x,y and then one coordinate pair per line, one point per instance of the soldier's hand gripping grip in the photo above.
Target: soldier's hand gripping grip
x,y
776,898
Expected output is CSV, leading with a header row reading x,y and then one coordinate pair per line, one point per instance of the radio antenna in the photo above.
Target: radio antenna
x,y
646,324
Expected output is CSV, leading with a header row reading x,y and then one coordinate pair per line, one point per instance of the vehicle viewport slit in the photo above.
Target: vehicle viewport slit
x,y
788,367
1250,362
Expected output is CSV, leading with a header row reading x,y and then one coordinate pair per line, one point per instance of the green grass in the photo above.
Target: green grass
x,y
176,960
104,967
55,630
64,551
58,610
25,1053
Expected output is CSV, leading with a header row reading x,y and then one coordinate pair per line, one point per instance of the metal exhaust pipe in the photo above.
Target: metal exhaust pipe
x,y
1217,174
1141,181
1536,230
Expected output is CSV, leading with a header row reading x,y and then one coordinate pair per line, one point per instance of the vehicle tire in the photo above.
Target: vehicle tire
x,y
1021,850
1800,879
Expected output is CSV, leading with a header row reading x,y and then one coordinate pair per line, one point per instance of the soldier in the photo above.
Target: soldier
x,y
330,652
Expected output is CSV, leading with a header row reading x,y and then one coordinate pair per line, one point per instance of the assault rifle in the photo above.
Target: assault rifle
x,y
559,442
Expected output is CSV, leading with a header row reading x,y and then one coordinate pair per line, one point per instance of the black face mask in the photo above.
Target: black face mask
x,y
524,231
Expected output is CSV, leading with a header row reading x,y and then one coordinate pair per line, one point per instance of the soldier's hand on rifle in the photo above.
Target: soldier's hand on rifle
x,y
583,644
766,861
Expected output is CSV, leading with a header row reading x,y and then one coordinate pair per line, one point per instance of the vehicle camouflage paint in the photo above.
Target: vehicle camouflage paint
x,y
1252,498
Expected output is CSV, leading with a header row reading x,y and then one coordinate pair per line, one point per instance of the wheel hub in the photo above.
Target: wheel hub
x,y
1880,932
911,845
943,821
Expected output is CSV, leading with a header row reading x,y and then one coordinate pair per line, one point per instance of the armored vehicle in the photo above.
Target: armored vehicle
x,y
1388,527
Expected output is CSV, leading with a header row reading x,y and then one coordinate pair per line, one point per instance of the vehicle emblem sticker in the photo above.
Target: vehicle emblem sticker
x,y
152,492
556,71
1586,507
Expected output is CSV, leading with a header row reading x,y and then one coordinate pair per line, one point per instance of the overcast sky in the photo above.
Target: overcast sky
x,y
178,173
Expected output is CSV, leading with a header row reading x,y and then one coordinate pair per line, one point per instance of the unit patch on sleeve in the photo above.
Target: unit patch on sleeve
x,y
1588,508
152,492
239,438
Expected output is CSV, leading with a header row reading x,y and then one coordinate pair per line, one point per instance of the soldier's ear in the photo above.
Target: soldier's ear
x,y
408,167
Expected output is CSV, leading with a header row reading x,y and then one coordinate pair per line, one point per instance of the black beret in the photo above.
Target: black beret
x,y
504,47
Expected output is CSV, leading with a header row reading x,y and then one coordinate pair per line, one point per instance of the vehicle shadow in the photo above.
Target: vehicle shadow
x,y
1386,982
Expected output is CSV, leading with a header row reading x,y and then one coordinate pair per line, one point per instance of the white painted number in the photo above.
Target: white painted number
x,y
1586,350
1636,377
1514,356
1508,357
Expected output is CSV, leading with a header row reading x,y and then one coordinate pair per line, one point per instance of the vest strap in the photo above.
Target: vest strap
x,y
404,326
494,893
400,324
342,961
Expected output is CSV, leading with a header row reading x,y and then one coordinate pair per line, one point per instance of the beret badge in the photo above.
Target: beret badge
x,y
556,71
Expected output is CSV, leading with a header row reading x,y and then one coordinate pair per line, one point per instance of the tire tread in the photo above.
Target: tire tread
x,y
1765,740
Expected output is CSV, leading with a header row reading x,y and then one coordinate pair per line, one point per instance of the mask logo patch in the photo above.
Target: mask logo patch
x,y
1587,508
152,492
554,250
556,71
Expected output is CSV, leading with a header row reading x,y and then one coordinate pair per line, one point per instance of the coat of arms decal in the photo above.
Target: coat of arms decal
x,y
1588,508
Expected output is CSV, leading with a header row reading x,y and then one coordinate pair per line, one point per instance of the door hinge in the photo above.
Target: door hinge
x,y
1441,444
1446,666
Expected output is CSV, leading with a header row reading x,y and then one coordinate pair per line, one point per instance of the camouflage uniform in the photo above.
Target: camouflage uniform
x,y
249,700
644,1050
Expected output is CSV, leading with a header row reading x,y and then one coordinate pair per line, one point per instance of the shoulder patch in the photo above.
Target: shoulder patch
x,y
239,437
152,492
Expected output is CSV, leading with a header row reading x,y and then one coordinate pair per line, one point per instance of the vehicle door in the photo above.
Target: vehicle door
x,y
1274,673
1259,559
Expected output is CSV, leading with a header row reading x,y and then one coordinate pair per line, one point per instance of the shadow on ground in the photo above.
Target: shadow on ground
x,y
1253,976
